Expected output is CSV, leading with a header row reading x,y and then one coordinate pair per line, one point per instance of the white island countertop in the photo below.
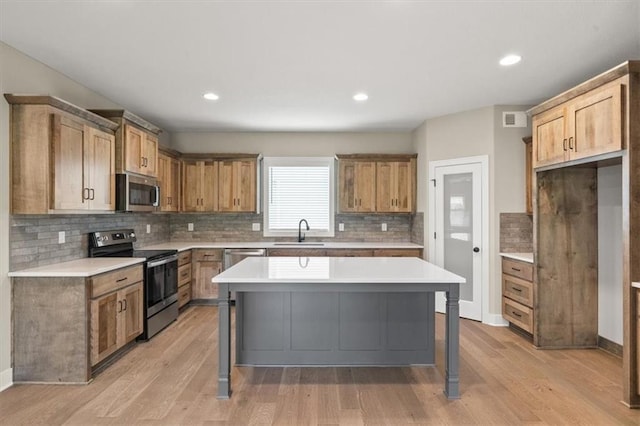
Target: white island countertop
x,y
336,270
85,267
524,257
188,245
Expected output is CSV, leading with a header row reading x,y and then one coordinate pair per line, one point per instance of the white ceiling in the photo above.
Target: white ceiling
x,y
295,65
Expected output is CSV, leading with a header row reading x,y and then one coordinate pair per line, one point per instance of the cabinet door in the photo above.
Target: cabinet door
x,y
596,122
402,186
226,186
130,319
104,327
245,171
394,187
192,185
357,186
550,145
150,155
71,186
209,186
174,185
133,138
101,168
204,271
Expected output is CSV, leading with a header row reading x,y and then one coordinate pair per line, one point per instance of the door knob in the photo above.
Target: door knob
x,y
476,249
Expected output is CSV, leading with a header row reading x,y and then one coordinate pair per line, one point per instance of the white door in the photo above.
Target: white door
x,y
457,214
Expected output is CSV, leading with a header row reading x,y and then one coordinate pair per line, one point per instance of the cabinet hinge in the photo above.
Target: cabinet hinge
x,y
434,182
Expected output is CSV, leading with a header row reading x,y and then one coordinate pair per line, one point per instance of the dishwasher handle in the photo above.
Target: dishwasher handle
x,y
260,252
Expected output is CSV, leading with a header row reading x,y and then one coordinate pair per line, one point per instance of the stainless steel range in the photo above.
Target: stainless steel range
x,y
160,275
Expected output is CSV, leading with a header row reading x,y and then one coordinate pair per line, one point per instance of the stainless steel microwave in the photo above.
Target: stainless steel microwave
x,y
136,193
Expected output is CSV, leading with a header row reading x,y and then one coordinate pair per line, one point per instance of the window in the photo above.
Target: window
x,y
298,188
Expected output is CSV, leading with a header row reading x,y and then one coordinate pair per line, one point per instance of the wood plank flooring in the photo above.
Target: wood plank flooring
x,y
171,380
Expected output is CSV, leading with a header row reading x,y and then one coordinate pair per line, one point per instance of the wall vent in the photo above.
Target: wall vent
x,y
514,119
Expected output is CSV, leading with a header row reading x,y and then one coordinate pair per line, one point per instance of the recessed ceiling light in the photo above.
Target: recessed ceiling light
x,y
510,60
360,97
210,96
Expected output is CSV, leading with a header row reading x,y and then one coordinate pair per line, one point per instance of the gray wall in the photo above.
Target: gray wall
x,y
474,133
23,75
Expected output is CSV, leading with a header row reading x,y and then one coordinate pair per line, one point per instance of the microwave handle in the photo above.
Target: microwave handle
x,y
157,202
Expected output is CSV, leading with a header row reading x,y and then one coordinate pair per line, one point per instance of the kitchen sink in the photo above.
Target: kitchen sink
x,y
299,244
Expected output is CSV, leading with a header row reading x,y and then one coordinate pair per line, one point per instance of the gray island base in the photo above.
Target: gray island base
x,y
336,311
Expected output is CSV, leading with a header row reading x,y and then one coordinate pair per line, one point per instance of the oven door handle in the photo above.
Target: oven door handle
x,y
162,261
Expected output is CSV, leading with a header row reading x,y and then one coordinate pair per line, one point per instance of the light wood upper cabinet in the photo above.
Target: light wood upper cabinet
x,y
62,157
379,183
136,143
237,185
199,186
169,181
528,174
395,186
587,125
357,186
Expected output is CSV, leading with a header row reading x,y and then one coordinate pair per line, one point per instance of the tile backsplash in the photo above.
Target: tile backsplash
x,y
516,233
34,238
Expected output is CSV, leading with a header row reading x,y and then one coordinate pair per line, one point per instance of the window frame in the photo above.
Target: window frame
x,y
268,162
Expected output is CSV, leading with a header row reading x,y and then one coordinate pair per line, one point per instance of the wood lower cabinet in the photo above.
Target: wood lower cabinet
x,y
64,326
169,182
517,293
199,186
116,311
62,157
588,125
184,278
398,253
332,252
206,263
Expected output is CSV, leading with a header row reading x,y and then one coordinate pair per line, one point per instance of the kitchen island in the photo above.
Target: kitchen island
x,y
336,311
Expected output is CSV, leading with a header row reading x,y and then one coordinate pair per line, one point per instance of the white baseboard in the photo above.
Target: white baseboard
x,y
495,320
6,379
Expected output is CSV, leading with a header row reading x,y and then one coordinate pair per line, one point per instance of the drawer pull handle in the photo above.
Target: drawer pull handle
x,y
122,279
516,289
515,269
514,313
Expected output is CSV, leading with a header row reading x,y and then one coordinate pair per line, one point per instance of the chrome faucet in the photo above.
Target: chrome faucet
x,y
300,234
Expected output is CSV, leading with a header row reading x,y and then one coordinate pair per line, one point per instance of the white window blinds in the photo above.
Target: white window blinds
x,y
298,189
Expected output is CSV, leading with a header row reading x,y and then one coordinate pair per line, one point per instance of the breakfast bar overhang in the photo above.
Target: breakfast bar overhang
x,y
343,278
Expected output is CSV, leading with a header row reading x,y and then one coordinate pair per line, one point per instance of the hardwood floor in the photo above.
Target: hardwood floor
x,y
171,381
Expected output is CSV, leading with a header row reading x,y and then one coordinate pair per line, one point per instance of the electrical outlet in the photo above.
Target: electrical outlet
x,y
148,228
384,227
341,227
189,226
255,226
61,237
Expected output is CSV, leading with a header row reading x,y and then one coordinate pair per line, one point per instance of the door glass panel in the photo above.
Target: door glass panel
x,y
458,229
155,284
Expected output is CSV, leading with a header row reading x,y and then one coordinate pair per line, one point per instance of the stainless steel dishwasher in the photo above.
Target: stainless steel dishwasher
x,y
233,256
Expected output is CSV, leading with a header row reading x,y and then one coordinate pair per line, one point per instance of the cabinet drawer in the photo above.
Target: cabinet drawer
x,y
110,281
207,255
517,314
518,269
517,289
184,274
184,257
349,253
184,295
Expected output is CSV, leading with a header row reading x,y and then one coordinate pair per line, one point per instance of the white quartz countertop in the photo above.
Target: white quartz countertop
x,y
336,270
188,245
525,257
79,268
